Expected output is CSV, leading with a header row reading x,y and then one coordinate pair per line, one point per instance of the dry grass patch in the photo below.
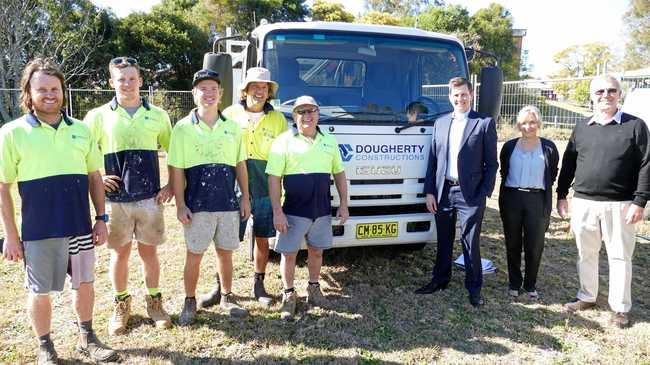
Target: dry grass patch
x,y
373,317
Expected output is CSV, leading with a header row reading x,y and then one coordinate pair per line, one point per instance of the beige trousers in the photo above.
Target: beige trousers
x,y
596,221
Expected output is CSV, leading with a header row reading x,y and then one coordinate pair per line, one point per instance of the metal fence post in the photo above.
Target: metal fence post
x,y
474,81
69,101
150,94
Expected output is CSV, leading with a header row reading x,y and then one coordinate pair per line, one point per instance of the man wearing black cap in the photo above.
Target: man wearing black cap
x,y
207,154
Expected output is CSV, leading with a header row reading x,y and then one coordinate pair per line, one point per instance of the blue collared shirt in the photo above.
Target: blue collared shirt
x,y
526,168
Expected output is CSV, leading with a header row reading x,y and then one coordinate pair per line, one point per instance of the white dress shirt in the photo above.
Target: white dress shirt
x,y
458,123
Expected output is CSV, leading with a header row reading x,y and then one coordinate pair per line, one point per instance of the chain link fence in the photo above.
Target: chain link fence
x,y
562,102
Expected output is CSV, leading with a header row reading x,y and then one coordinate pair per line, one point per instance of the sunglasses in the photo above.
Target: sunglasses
x,y
124,60
610,91
307,111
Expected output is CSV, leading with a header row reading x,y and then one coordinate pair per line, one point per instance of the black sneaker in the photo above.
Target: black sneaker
x,y
260,294
211,299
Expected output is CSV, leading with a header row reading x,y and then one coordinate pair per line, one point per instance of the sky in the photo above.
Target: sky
x,y
551,25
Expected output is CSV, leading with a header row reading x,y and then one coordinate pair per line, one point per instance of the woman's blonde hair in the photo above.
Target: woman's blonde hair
x,y
529,109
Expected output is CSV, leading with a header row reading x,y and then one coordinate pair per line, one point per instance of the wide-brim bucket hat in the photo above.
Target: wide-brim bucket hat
x,y
259,74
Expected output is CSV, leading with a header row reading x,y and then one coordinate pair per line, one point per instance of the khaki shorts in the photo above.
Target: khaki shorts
x,y
142,220
222,228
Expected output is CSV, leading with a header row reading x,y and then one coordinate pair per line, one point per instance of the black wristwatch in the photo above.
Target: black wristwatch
x,y
103,217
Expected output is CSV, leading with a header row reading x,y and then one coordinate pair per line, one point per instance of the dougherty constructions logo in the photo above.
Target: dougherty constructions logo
x,y
346,152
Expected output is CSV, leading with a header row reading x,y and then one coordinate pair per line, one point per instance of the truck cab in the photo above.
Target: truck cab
x,y
367,80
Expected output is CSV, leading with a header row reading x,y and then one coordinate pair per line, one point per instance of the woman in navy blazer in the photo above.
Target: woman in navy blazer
x,y
529,166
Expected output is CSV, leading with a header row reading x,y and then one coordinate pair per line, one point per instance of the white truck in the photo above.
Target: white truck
x,y
365,77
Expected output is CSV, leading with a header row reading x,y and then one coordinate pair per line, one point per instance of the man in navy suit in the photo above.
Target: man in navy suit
x,y
460,175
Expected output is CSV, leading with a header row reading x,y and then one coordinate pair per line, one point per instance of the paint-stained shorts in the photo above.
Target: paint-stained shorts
x,y
318,234
48,261
142,220
218,227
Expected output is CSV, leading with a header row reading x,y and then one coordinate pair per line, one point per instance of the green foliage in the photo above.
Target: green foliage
x,y
582,60
166,44
637,48
330,12
401,8
493,26
375,17
489,29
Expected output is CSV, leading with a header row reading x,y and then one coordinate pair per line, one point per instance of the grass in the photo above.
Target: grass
x,y
373,318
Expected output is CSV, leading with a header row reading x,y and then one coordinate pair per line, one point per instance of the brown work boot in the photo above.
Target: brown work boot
x,y
90,346
188,314
315,297
288,309
259,292
212,298
578,305
156,311
47,355
121,314
620,319
229,305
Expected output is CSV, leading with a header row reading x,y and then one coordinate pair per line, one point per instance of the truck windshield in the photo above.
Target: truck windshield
x,y
364,77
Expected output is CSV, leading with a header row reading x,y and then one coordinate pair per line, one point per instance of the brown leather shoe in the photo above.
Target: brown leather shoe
x,y
620,320
578,305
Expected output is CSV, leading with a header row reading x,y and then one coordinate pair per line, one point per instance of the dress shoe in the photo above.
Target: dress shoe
x,y
431,287
475,300
620,320
578,305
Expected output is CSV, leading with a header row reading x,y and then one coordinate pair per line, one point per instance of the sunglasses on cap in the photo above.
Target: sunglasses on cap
x,y
610,91
124,60
307,111
206,73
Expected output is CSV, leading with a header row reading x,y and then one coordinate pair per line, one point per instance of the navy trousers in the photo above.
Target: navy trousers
x,y
452,206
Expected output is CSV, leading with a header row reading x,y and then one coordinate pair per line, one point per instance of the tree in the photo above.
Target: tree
x,y
493,25
451,19
70,31
167,46
583,60
401,8
375,17
637,49
330,12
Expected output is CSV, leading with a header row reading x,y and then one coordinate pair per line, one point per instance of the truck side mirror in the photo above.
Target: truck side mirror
x,y
490,91
222,64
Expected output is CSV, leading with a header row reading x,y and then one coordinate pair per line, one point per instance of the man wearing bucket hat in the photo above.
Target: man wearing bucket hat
x,y
260,125
302,159
207,155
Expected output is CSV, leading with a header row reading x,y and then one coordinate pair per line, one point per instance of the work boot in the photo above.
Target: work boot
x,y
229,305
156,311
189,312
90,346
121,314
315,297
212,298
288,309
47,355
259,292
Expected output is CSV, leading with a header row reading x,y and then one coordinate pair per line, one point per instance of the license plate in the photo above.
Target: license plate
x,y
376,230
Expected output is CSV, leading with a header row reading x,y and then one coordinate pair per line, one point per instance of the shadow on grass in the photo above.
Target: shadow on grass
x,y
180,358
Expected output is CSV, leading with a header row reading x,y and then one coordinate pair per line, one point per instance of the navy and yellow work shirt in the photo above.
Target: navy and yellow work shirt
x,y
305,166
51,167
208,157
130,147
258,139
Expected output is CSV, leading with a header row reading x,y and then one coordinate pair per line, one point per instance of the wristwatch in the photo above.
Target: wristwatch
x,y
103,217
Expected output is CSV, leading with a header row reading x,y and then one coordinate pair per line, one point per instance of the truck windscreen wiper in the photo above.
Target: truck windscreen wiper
x,y
341,114
421,121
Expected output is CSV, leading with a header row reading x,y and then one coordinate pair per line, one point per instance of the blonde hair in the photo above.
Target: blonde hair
x,y
525,111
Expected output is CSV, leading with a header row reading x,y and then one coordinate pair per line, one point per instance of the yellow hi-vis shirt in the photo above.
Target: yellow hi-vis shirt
x,y
51,167
208,157
258,139
130,147
305,167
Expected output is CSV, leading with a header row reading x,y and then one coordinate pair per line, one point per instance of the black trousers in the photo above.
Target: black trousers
x,y
524,225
